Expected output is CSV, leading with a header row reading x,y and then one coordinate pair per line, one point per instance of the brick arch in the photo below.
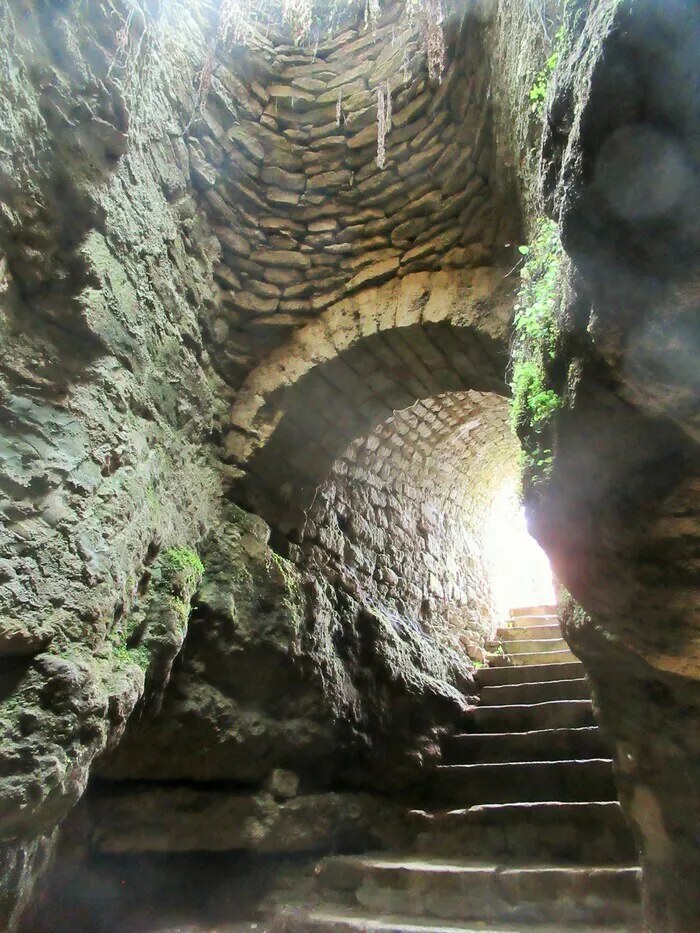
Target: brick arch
x,y
369,356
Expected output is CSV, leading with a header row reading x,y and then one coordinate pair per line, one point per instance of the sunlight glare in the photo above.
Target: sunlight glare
x,y
520,570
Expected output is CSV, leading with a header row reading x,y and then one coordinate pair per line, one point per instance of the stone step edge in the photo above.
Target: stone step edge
x,y
520,809
411,861
525,655
558,763
555,640
566,650
535,683
535,668
505,634
521,707
358,922
579,730
547,608
515,620
548,652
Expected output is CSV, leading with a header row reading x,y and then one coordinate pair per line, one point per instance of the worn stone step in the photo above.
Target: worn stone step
x,y
491,676
537,745
535,646
528,717
523,781
450,889
542,692
575,833
532,658
497,660
533,620
348,920
533,611
528,632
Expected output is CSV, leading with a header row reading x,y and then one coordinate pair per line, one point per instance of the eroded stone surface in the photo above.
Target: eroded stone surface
x,y
618,510
263,684
183,819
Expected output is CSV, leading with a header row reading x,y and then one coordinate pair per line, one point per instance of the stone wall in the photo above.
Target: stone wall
x,y
403,513
285,158
347,372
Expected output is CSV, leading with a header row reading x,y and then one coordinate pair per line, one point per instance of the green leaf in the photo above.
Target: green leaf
x,y
523,250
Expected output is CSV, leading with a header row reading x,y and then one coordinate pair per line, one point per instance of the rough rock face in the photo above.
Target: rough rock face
x,y
103,266
280,671
114,292
182,819
224,291
238,704
617,511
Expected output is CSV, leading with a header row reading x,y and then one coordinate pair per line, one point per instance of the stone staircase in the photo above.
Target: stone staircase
x,y
523,832
533,637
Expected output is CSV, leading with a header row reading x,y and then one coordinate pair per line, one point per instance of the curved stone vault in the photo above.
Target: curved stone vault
x,y
288,174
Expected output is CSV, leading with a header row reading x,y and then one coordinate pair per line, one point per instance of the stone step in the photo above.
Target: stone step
x,y
491,676
532,658
497,660
538,745
533,620
535,645
533,611
542,692
574,833
528,632
522,782
333,919
529,717
449,889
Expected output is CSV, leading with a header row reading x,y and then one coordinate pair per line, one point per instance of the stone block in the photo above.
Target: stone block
x,y
282,784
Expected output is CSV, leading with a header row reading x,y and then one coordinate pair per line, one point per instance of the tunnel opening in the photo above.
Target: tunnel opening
x,y
520,570
383,470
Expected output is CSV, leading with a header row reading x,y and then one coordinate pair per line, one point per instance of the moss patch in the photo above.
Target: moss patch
x,y
539,308
181,575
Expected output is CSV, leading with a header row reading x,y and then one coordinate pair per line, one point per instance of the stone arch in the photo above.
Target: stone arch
x,y
381,430
474,305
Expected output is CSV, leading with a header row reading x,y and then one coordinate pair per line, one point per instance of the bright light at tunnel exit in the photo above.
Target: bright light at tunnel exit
x,y
520,570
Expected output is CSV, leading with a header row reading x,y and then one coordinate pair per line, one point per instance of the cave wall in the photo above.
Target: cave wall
x,y
616,506
104,266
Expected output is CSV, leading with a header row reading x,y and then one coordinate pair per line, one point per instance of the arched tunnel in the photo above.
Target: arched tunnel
x,y
304,308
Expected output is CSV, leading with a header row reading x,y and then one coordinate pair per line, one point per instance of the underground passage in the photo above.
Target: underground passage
x,y
350,466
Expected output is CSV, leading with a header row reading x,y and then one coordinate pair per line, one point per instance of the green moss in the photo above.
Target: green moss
x,y
138,655
540,85
532,400
539,307
182,568
293,598
180,575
